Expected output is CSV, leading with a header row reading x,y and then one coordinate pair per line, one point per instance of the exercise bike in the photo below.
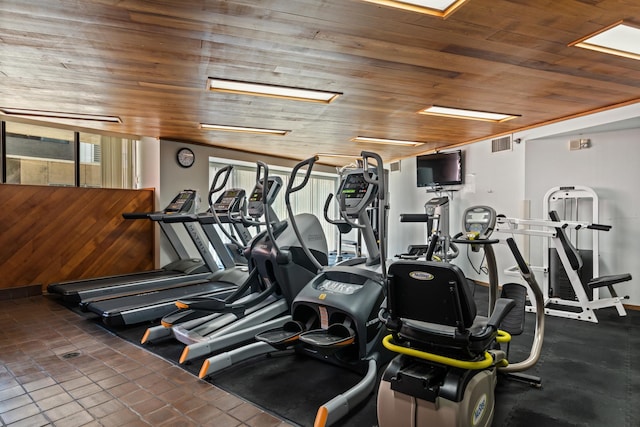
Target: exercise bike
x,y
448,357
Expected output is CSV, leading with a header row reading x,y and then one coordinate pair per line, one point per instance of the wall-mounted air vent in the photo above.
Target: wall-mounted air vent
x,y
579,144
394,166
501,144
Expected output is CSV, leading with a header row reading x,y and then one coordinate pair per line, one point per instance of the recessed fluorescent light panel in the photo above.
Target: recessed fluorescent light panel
x,y
458,113
339,156
386,141
257,89
620,39
244,129
58,115
441,8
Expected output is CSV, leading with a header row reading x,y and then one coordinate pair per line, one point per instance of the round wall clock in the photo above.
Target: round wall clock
x,y
186,157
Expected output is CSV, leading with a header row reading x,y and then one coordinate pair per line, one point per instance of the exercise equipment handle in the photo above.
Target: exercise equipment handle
x,y
538,337
292,189
599,227
262,171
522,265
294,173
379,181
214,187
475,242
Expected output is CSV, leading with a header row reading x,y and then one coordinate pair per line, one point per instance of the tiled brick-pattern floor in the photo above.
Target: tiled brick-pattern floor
x,y
57,368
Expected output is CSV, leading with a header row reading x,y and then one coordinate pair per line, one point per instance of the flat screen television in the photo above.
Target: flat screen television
x,y
439,169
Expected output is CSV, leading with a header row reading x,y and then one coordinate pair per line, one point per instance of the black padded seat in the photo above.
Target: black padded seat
x,y
598,282
576,261
430,306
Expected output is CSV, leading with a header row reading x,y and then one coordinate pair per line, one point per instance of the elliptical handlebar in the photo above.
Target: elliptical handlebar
x,y
343,226
215,188
261,169
536,346
292,189
379,180
294,172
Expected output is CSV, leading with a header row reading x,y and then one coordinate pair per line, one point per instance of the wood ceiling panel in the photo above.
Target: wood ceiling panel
x,y
147,62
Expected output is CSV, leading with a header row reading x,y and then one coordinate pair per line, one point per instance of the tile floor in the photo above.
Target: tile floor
x,y
59,369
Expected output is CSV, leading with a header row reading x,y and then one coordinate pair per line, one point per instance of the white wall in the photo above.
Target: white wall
x,y
509,181
610,166
148,176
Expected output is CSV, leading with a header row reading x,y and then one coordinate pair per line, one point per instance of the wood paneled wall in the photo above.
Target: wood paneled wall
x,y
50,234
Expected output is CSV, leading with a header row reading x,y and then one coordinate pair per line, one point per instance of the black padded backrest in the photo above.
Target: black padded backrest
x,y
572,253
433,292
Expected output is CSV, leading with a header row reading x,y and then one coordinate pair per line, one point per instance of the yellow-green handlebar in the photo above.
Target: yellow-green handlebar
x,y
463,364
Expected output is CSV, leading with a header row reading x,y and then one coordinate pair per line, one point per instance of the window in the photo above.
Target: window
x,y
311,199
40,155
106,161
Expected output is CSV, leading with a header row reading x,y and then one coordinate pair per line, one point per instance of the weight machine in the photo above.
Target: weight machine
x,y
574,293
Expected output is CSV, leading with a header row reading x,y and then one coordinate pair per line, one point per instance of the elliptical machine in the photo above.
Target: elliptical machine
x,y
278,269
449,358
334,317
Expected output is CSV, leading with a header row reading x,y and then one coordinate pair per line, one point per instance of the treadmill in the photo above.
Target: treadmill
x,y
252,303
143,307
184,270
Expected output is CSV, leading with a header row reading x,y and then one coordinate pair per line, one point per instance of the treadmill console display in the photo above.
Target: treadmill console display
x,y
229,200
183,202
341,288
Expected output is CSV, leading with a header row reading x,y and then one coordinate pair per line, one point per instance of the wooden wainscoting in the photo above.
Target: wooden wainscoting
x,y
50,234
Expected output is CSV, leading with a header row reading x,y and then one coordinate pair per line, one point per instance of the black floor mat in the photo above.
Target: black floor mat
x,y
590,374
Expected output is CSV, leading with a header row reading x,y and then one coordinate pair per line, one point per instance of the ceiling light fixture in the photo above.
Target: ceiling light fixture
x,y
386,141
621,38
243,129
441,8
339,156
458,113
258,89
58,115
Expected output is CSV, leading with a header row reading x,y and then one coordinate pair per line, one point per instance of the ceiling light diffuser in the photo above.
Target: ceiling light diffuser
x,y
243,129
58,115
386,141
622,39
458,113
441,8
258,89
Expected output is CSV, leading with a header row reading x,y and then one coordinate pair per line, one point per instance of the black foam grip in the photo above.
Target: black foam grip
x,y
599,227
518,256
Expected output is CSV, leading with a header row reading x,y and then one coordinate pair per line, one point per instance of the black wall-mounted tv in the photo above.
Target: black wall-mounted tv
x,y
439,169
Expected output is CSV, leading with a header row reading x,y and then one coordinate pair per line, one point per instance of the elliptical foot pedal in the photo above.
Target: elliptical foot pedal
x,y
332,338
282,337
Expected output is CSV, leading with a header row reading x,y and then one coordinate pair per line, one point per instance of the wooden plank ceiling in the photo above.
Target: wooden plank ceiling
x,y
147,62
